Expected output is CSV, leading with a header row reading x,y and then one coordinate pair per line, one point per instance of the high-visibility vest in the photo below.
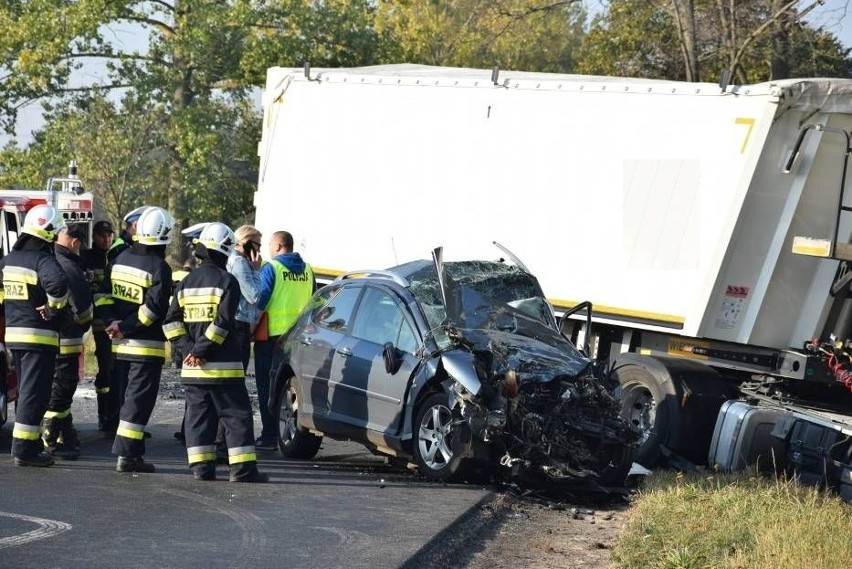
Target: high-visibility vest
x,y
290,295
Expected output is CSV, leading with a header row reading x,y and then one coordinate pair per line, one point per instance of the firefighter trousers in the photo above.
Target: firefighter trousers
x,y
58,420
206,406
35,377
108,396
142,378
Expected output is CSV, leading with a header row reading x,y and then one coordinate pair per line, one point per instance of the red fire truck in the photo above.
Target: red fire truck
x,y
70,197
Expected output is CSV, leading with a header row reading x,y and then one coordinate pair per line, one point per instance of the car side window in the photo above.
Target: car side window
x,y
380,320
336,314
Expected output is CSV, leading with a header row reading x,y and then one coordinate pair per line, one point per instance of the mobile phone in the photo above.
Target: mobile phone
x,y
249,248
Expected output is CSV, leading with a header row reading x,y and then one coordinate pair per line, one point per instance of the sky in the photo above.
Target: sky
x,y
833,15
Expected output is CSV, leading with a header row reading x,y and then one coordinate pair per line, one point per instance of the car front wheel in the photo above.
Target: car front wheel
x,y
434,450
294,441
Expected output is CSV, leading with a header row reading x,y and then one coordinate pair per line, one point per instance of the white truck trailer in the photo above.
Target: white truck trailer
x,y
704,223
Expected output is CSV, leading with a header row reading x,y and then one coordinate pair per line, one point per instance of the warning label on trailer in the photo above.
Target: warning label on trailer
x,y
733,304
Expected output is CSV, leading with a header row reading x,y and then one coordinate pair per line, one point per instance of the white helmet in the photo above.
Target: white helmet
x,y
217,237
154,227
44,222
135,214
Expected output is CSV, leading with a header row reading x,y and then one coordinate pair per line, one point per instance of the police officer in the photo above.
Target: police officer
x,y
58,432
202,318
34,290
286,285
95,263
140,285
125,238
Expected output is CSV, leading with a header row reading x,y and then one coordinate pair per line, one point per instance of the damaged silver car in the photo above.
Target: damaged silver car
x,y
450,365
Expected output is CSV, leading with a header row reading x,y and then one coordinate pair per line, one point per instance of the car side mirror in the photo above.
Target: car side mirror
x,y
392,358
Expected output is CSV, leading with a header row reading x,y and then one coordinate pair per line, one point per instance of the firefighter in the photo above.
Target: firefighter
x,y
202,319
140,284
95,262
57,427
125,238
35,289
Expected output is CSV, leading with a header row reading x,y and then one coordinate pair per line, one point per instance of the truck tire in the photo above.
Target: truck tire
x,y
647,404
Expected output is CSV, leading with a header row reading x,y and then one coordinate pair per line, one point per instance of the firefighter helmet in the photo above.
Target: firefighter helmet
x,y
154,227
217,237
44,222
135,214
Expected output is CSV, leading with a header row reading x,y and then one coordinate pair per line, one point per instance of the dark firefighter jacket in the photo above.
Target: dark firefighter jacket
x,y
201,322
77,317
140,282
32,278
119,245
95,262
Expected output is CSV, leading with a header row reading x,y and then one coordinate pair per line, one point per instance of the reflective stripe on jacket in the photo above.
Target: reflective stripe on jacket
x,y
79,313
32,278
140,283
201,321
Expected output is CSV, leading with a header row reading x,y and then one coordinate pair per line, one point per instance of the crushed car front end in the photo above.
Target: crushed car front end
x,y
520,393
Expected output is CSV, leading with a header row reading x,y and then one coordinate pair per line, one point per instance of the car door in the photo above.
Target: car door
x,y
374,397
315,347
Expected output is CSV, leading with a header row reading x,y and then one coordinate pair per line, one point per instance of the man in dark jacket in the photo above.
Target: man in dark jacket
x,y
58,432
202,319
95,263
34,291
125,239
140,284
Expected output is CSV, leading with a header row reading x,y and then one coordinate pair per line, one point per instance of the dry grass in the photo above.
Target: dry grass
x,y
734,521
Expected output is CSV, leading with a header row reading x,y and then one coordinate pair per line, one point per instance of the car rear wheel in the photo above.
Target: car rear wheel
x,y
294,441
434,450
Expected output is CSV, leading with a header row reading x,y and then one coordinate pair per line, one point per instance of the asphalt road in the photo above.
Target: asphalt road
x,y
345,508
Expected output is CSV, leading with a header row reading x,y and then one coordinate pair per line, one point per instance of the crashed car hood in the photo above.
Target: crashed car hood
x,y
532,359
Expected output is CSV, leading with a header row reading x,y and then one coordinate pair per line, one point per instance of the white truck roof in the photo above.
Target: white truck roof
x,y
664,203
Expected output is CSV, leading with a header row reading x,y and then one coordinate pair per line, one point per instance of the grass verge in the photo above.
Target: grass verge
x,y
743,520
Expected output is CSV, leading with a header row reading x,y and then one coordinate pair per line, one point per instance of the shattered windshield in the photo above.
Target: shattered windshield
x,y
482,295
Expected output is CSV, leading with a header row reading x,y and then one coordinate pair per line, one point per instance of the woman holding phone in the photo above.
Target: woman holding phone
x,y
244,263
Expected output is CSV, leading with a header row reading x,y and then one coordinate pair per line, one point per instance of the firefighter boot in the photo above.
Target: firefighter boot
x,y
204,470
50,431
133,464
247,472
69,443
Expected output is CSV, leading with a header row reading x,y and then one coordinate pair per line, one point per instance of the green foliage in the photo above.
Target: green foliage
x,y
741,520
184,133
640,38
532,35
633,38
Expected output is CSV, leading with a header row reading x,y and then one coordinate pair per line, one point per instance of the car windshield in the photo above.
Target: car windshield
x,y
483,295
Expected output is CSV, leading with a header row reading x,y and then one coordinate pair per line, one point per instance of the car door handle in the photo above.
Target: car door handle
x,y
305,340
345,352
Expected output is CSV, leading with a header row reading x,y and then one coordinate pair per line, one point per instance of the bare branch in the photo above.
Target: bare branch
x,y
735,62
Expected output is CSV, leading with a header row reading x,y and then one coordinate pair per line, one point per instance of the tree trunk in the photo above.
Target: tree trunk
x,y
684,11
780,64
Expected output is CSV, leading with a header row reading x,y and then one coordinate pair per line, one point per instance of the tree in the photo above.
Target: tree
x,y
750,40
534,35
194,77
